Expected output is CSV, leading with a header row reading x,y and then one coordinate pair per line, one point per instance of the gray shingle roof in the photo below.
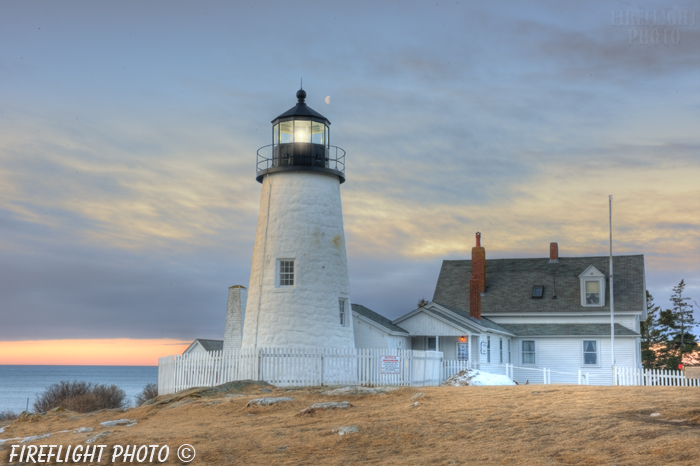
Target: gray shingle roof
x,y
211,345
592,330
509,284
378,318
489,324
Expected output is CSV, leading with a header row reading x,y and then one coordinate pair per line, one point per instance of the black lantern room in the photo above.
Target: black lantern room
x,y
301,142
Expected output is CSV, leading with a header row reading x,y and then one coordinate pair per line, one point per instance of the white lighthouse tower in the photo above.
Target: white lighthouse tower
x,y
299,292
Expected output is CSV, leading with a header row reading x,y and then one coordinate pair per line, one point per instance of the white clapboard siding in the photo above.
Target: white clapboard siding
x,y
564,356
653,377
298,367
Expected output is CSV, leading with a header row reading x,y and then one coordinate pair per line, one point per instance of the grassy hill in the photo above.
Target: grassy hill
x,y
526,424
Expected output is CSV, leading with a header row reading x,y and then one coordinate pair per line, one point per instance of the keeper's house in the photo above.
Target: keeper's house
x,y
542,313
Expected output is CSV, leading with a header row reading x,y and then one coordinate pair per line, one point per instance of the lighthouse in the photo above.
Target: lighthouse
x,y
299,290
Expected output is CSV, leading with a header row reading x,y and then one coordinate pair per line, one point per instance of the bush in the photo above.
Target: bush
x,y
149,392
8,415
80,396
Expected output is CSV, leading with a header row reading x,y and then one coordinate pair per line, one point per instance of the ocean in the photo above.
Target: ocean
x,y
17,383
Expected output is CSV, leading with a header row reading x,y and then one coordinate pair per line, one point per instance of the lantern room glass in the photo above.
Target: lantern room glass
x,y
302,131
318,133
286,132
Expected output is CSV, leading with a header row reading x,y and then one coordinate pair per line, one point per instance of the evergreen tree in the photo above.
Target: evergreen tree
x,y
684,339
651,334
676,330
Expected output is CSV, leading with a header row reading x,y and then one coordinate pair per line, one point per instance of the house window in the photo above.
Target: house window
x,y
286,272
592,292
528,352
463,351
590,352
343,307
592,287
500,349
432,343
488,349
508,342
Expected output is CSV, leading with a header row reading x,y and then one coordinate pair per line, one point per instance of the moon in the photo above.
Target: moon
x,y
328,99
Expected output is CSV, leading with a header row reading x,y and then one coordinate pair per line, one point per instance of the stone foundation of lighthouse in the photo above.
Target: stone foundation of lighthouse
x,y
300,222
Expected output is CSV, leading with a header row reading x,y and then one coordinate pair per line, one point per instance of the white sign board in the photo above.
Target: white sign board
x,y
390,364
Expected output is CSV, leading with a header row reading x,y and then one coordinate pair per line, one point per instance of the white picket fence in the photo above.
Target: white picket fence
x,y
521,374
300,367
657,377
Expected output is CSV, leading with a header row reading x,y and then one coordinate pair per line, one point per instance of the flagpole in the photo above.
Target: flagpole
x,y
612,302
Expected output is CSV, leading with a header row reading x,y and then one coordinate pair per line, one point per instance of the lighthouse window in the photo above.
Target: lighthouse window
x,y
318,133
343,314
286,273
286,131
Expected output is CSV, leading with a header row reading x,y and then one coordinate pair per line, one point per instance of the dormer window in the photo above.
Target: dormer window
x,y
592,287
592,292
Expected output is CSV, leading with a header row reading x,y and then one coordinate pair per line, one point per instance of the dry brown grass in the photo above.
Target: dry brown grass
x,y
451,425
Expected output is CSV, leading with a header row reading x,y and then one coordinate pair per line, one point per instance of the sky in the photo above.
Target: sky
x,y
129,131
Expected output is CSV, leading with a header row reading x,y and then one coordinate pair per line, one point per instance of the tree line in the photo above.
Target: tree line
x,y
668,334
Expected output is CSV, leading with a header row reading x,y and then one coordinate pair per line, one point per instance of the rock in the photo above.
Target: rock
x,y
203,392
414,404
351,390
26,416
103,434
83,430
268,401
266,390
180,403
282,448
347,430
417,395
321,406
35,437
119,422
655,414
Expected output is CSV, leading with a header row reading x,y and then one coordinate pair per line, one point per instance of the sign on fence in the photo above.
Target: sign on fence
x,y
390,364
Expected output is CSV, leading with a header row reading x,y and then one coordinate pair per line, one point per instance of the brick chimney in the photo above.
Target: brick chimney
x,y
477,284
553,253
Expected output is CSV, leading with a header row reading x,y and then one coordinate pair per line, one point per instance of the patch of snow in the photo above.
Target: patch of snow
x,y
119,422
655,414
474,377
34,437
103,434
347,430
3,440
82,430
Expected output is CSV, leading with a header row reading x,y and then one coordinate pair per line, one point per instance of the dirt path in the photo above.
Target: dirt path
x,y
450,425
